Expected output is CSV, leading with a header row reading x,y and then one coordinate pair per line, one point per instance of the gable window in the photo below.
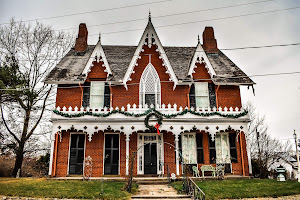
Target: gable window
x,y
150,87
96,94
189,148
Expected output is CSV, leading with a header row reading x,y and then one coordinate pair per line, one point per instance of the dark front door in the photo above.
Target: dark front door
x,y
111,160
150,159
76,154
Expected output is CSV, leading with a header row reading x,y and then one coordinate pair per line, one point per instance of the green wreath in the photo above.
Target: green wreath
x,y
146,121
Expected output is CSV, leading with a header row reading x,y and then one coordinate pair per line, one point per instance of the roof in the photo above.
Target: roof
x,y
70,68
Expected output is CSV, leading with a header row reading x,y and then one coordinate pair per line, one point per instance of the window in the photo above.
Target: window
x,y
199,141
233,152
222,148
150,87
76,154
212,150
200,95
97,94
189,148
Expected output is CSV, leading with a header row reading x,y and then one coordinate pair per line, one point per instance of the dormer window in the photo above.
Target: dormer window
x,y
96,94
150,87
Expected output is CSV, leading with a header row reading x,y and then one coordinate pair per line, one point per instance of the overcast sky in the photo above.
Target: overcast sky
x,y
276,97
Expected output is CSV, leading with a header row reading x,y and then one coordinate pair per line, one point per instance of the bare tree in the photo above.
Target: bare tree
x,y
27,53
266,152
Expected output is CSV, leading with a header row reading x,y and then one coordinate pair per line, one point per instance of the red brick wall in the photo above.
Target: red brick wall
x,y
228,96
169,153
133,148
201,73
95,150
62,155
69,95
97,72
122,155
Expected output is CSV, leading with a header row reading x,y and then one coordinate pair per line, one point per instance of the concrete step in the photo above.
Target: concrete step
x,y
169,197
152,182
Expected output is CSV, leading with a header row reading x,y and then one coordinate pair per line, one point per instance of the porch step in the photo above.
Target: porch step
x,y
152,182
158,191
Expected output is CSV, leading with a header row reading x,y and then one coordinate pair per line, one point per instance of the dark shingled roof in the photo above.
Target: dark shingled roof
x,y
118,58
180,59
225,68
71,66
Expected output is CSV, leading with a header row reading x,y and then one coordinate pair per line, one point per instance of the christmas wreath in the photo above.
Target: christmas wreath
x,y
158,117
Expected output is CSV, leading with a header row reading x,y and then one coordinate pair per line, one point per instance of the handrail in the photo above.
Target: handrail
x,y
191,188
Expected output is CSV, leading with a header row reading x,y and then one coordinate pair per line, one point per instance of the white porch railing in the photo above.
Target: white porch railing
x,y
164,109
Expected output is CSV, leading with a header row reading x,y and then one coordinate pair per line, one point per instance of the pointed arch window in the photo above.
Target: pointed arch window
x,y
150,92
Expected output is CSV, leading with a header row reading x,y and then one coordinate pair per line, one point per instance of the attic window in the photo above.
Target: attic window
x,y
150,87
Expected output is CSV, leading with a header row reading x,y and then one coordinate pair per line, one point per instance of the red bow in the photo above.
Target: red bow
x,y
157,125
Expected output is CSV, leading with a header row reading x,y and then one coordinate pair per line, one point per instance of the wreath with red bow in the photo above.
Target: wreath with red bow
x,y
156,127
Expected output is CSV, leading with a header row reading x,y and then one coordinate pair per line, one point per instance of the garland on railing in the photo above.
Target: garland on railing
x,y
150,111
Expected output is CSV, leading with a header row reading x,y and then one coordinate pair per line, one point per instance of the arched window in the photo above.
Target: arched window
x,y
150,87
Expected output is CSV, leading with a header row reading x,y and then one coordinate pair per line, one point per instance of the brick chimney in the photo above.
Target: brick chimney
x,y
81,40
209,41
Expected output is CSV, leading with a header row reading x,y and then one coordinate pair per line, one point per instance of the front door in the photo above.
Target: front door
x,y
150,158
111,159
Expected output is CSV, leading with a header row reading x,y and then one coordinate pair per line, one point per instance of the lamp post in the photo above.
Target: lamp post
x,y
297,155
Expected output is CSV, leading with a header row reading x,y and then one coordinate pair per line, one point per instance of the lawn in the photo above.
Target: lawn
x,y
29,187
235,189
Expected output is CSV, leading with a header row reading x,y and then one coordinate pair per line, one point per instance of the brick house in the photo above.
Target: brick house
x,y
112,99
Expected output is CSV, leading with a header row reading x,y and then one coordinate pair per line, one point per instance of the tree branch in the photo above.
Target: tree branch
x,y
15,137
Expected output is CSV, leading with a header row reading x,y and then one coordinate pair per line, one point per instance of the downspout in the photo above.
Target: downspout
x,y
188,97
110,95
81,95
242,156
55,154
217,102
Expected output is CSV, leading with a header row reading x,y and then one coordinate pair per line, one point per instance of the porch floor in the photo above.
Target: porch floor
x,y
114,178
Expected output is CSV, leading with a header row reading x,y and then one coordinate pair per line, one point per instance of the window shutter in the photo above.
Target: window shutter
x,y
107,96
86,95
233,151
200,156
212,95
192,96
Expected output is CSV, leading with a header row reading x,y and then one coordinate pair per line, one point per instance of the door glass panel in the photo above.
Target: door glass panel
x,y
76,154
111,162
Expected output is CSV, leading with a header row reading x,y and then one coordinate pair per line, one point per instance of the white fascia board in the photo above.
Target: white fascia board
x,y
98,51
200,53
64,82
150,30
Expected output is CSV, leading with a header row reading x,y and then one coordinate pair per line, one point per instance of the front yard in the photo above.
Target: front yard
x,y
236,189
29,187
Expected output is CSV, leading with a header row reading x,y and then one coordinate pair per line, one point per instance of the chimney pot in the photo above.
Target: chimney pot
x,y
209,41
81,40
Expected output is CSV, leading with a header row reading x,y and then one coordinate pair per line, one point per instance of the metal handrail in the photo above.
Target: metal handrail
x,y
191,188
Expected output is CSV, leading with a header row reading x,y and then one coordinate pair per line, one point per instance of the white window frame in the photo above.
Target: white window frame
x,y
149,72
202,86
99,104
187,159
103,158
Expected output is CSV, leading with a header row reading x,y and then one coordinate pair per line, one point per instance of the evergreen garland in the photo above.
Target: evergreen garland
x,y
151,110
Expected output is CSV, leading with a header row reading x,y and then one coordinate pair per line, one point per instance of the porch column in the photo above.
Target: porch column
x,y
177,154
52,137
127,153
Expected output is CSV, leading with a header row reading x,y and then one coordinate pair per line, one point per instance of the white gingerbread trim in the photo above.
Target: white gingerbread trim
x,y
97,52
200,53
150,33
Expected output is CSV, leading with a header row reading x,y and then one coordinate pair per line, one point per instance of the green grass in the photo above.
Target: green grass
x,y
29,187
235,189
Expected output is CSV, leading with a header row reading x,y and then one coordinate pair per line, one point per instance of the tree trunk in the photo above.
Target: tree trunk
x,y
19,159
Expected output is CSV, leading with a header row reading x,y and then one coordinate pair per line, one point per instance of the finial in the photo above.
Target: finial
x,y
149,17
198,39
99,40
